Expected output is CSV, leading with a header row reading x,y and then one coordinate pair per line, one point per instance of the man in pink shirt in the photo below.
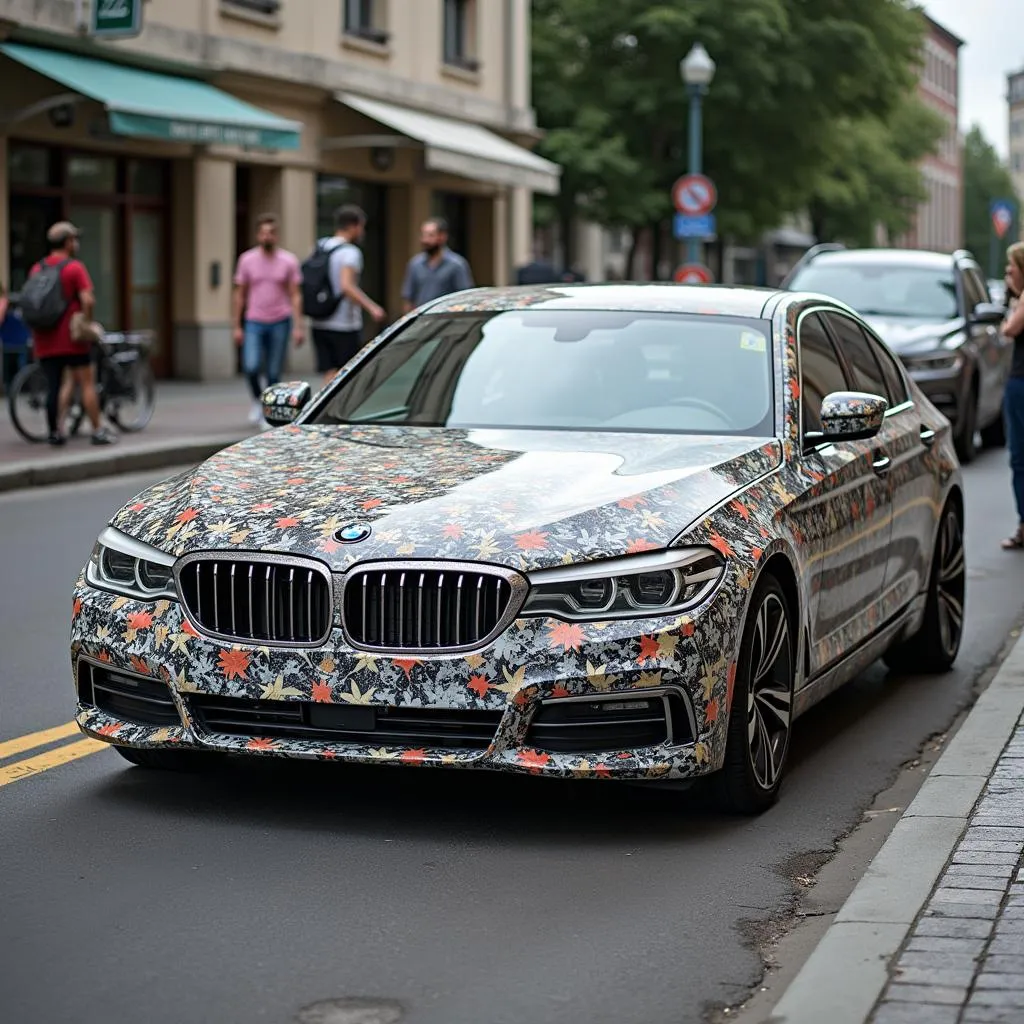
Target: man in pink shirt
x,y
268,308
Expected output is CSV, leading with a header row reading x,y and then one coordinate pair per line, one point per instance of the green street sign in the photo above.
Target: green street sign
x,y
116,18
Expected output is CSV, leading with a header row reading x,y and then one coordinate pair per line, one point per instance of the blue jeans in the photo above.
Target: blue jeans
x,y
1013,410
264,344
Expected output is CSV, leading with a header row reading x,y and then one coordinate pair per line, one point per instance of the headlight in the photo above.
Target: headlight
x,y
129,567
642,586
935,361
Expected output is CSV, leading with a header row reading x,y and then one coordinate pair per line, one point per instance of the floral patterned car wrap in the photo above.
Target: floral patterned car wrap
x,y
527,500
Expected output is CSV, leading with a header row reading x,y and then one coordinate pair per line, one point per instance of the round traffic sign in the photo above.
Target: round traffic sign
x,y
692,273
694,195
1002,218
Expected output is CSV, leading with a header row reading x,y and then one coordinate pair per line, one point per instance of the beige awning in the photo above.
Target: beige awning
x,y
457,147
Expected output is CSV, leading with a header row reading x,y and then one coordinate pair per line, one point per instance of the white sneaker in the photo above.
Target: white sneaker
x,y
256,412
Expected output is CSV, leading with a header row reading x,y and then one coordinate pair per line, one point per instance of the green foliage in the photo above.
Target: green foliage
x,y
608,92
986,178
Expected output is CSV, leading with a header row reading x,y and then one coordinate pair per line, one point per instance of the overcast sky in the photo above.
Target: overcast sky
x,y
993,32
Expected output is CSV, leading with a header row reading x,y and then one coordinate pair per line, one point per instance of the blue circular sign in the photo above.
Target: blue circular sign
x,y
352,534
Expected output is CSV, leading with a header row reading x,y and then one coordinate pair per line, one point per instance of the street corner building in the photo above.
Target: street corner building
x,y
164,147
646,576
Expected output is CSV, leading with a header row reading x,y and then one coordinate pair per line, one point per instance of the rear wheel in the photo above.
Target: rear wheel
x,y
26,401
131,408
934,647
170,760
966,448
761,715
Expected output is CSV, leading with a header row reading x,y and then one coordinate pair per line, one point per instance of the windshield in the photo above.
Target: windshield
x,y
884,289
582,370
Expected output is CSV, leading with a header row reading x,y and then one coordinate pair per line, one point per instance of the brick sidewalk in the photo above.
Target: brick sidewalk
x,y
964,960
184,410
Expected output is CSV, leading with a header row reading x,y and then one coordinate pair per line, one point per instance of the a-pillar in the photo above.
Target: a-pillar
x,y
203,194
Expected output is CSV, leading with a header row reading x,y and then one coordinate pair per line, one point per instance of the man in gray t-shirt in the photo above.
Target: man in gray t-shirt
x,y
340,336
437,270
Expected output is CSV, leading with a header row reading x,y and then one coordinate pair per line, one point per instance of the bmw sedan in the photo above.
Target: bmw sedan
x,y
609,532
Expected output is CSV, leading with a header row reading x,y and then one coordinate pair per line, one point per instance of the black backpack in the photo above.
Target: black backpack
x,y
42,301
319,298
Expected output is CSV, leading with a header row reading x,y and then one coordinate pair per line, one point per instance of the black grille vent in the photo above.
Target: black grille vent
x,y
417,608
258,601
126,696
346,723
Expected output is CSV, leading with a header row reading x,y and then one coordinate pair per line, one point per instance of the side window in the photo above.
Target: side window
x,y
894,381
820,370
853,344
975,288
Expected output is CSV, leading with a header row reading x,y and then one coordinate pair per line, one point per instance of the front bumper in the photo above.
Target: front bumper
x,y
943,388
335,703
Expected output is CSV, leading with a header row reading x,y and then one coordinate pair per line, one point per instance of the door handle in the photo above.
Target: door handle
x,y
881,463
927,437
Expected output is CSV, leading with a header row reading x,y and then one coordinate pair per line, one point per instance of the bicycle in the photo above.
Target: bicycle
x,y
124,379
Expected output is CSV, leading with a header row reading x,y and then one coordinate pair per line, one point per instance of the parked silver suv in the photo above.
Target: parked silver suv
x,y
935,312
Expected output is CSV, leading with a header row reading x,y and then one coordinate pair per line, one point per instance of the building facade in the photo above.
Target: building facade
x,y
939,221
1015,97
166,146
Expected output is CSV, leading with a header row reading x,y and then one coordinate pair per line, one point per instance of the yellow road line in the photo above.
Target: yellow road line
x,y
37,739
51,759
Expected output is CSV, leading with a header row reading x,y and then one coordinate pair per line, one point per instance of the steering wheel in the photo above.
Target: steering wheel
x,y
709,407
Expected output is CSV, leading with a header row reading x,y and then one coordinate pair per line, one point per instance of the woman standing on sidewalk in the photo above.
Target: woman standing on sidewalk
x,y
1013,402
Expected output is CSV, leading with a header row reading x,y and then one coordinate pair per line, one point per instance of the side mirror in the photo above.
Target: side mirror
x,y
282,403
849,416
988,313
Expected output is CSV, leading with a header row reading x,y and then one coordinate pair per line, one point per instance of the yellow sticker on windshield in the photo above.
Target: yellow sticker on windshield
x,y
753,342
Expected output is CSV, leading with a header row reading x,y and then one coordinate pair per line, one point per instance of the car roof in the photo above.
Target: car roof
x,y
709,300
907,257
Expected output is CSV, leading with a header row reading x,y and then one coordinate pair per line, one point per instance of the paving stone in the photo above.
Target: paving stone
x,y
1004,963
940,976
974,882
989,911
1009,924
950,928
949,960
990,846
998,997
949,895
1008,944
945,944
994,832
991,1015
911,1013
972,857
1004,871
944,994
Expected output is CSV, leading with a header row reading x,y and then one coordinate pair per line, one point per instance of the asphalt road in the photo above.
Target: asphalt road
x,y
130,896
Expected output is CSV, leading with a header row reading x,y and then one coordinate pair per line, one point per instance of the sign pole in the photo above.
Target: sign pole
x,y
993,254
696,128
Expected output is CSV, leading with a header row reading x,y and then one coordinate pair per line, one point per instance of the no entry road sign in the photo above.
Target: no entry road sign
x,y
692,273
1002,212
694,195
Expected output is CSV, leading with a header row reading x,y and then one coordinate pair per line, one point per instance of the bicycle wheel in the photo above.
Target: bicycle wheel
x,y
131,408
27,403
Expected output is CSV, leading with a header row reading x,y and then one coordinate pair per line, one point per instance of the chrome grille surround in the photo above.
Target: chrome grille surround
x,y
289,585
472,595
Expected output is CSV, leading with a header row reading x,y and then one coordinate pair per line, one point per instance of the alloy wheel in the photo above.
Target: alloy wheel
x,y
769,698
951,583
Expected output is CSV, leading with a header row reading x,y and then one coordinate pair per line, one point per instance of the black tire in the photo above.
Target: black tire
x,y
169,760
144,389
760,720
26,401
994,435
934,647
966,449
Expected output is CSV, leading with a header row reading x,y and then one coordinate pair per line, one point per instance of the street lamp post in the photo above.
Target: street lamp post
x,y
697,69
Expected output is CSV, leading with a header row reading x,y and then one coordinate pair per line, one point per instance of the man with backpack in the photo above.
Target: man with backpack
x,y
331,295
58,293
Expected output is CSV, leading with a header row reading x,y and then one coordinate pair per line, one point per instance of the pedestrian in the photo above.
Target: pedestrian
x,y
267,309
1013,399
338,336
437,270
58,302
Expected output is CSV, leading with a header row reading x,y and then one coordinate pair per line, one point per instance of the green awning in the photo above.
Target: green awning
x,y
149,105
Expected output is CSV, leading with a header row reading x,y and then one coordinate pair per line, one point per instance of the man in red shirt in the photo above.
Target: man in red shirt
x,y
55,349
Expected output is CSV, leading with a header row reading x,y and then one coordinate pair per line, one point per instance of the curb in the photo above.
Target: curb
x,y
112,462
846,974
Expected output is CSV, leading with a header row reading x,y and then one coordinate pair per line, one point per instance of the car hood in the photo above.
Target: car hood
x,y
906,335
527,499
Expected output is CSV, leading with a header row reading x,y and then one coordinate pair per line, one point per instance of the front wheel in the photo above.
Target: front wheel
x,y
169,760
760,718
26,401
934,647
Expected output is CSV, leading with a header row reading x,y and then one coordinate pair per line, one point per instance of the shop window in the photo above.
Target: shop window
x,y
459,29
88,172
455,210
365,18
147,178
31,166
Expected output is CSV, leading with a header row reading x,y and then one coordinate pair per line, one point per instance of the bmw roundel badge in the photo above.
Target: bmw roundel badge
x,y
352,534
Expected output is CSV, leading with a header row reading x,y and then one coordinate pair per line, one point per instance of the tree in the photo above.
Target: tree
x,y
609,96
873,174
986,178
